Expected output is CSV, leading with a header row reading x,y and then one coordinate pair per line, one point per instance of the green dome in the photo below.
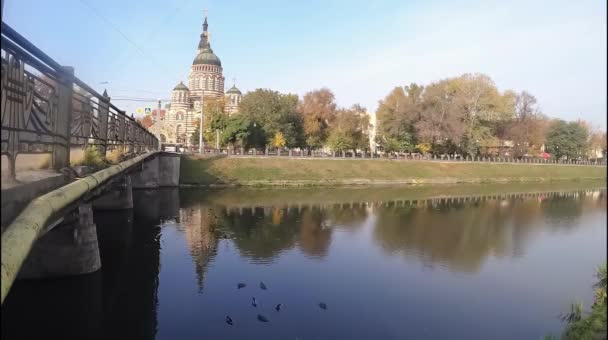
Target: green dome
x,y
180,87
233,89
207,57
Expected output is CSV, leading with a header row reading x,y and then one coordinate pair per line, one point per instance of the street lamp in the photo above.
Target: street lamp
x,y
201,146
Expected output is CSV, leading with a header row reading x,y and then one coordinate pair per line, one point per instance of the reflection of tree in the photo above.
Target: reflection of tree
x,y
263,233
462,235
315,237
198,225
257,234
347,216
563,209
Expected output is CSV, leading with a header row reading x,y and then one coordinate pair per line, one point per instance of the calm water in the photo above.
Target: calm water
x,y
389,263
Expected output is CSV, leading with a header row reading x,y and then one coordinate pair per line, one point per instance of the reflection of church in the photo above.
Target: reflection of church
x,y
197,223
206,81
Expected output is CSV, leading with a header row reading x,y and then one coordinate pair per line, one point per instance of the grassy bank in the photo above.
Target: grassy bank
x,y
310,172
592,325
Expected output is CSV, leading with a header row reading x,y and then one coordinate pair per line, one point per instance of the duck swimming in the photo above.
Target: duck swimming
x,y
322,305
278,307
240,285
262,285
254,303
229,320
262,318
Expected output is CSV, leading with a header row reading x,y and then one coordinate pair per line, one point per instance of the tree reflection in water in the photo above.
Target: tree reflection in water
x,y
458,234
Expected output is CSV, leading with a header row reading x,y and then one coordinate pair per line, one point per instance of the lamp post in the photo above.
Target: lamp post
x,y
217,139
201,146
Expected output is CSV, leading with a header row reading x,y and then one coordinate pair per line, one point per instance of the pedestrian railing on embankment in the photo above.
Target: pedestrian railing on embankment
x,y
299,153
46,109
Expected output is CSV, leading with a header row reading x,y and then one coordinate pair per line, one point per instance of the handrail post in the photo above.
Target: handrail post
x,y
122,131
104,108
61,149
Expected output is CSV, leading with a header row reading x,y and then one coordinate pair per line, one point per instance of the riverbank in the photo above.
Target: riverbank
x,y
243,171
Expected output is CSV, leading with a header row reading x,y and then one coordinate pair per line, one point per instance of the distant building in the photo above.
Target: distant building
x,y
372,131
158,115
206,81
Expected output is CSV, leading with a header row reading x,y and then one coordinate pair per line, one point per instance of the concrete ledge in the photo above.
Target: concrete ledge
x,y
16,196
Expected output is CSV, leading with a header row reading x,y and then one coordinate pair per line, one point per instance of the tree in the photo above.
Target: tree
x,y
195,136
400,109
317,110
273,112
528,129
441,120
278,141
236,131
145,121
566,139
397,113
349,129
214,119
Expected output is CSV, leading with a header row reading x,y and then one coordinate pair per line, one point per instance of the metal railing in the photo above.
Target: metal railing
x,y
302,153
20,236
47,110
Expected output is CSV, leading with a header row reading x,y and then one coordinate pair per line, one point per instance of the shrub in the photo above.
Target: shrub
x,y
92,157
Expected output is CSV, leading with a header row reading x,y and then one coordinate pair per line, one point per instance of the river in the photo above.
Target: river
x,y
448,262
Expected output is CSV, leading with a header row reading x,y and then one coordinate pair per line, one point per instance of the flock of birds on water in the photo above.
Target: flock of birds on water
x,y
254,303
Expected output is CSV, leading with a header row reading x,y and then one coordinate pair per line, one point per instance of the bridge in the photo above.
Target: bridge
x,y
47,214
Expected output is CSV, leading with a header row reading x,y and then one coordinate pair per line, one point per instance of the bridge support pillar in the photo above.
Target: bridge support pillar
x,y
160,171
119,197
69,249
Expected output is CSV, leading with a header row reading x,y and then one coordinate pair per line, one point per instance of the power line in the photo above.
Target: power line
x,y
135,90
137,100
113,26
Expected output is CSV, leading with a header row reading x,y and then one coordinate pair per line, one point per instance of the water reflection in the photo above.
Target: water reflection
x,y
459,233
199,227
365,237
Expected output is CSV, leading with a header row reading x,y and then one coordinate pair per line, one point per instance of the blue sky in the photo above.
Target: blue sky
x,y
359,49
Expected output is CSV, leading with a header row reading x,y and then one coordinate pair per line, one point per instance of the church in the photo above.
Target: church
x,y
206,81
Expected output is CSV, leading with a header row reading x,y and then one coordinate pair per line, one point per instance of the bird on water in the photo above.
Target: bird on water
x,y
229,320
262,318
262,285
254,303
240,285
323,305
278,307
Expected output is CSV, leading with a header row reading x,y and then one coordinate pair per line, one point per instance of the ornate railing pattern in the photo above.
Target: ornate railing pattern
x,y
46,109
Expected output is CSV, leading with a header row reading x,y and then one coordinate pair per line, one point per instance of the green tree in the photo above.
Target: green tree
x,y
399,110
194,137
349,129
236,131
403,143
566,139
273,112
